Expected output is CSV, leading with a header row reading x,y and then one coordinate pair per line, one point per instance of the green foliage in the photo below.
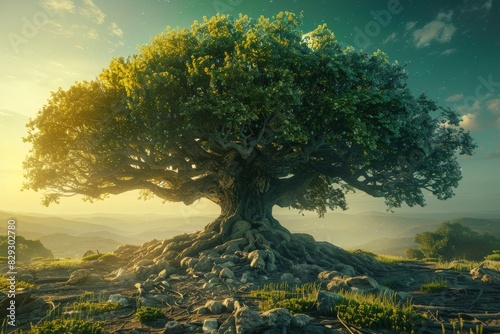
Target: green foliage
x,y
149,313
413,253
452,241
5,285
95,307
296,298
68,326
25,249
106,256
377,311
57,263
298,119
90,303
433,287
493,257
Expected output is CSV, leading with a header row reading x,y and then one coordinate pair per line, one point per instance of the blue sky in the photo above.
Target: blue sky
x,y
450,49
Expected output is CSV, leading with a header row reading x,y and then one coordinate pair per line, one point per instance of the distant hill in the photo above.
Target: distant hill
x,y
65,245
378,232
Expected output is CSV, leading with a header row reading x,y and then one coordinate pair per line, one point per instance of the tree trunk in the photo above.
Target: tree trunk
x,y
246,199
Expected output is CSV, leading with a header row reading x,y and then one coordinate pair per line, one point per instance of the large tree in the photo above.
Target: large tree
x,y
248,114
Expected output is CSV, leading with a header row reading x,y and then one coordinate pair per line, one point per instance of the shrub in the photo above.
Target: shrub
x,y
5,285
453,241
64,326
434,287
148,313
377,311
95,307
296,298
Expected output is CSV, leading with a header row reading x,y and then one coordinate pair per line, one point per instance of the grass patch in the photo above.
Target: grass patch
x,y
93,304
148,313
105,256
492,257
377,311
63,326
59,263
296,298
434,287
5,284
392,259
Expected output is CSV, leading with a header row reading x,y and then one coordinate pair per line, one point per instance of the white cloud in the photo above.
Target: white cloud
x,y
92,12
92,33
391,38
469,121
115,29
455,98
448,52
441,30
59,6
410,25
493,106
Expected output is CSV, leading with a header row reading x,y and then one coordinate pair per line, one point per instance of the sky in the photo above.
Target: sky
x,y
450,49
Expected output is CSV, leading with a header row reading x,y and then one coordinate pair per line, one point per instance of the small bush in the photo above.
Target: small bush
x,y
5,284
377,311
148,313
64,326
492,257
105,256
95,308
296,298
434,287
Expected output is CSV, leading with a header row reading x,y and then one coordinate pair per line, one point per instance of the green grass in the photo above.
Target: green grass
x,y
5,284
434,287
59,263
492,257
105,256
296,298
377,311
148,313
90,303
67,326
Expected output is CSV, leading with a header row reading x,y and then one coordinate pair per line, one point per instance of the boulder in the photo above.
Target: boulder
x,y
227,273
300,320
326,302
88,253
173,327
214,307
210,325
248,321
118,299
278,317
78,277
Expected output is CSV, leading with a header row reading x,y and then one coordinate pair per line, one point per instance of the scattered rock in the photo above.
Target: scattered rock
x,y
306,271
78,277
326,302
240,228
358,284
119,299
485,275
228,326
227,273
229,304
88,253
173,327
278,317
214,307
210,325
300,320
248,321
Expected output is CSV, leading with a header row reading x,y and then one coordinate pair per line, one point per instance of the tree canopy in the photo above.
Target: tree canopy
x,y
248,113
454,241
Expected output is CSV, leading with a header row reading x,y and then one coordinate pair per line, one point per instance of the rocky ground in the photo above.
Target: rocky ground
x,y
210,293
